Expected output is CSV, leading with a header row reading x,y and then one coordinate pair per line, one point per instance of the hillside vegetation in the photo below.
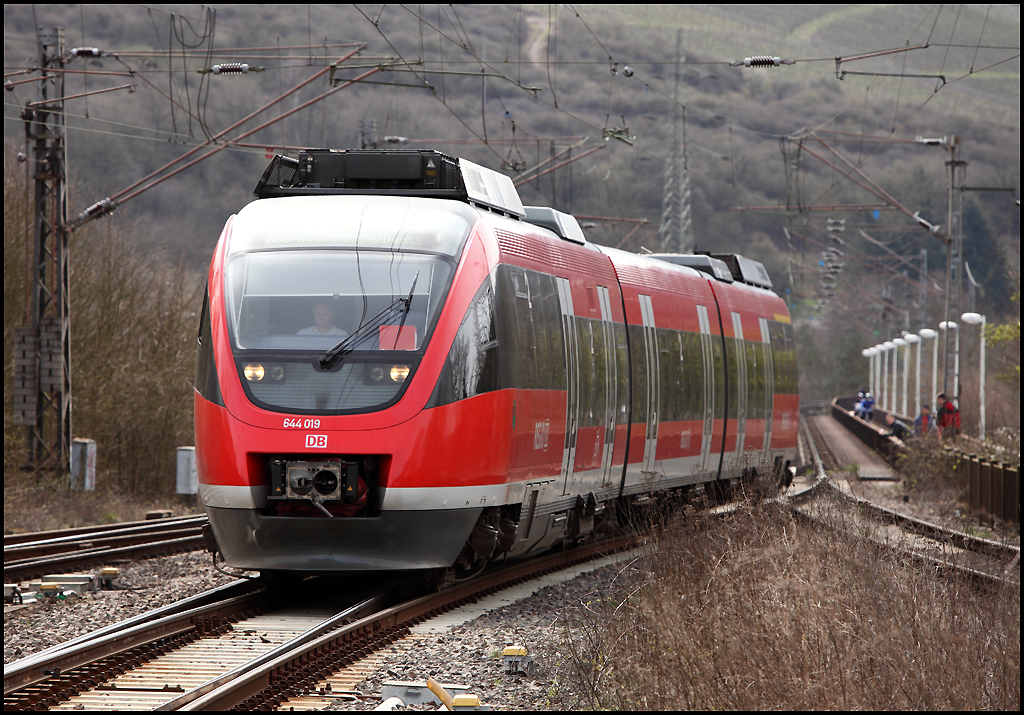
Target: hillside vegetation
x,y
559,72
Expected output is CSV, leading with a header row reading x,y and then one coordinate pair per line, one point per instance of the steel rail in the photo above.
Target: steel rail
x,y
365,608
200,619
941,535
36,536
206,598
960,539
22,570
287,671
72,544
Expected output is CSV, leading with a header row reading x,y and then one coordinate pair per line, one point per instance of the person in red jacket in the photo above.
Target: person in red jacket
x,y
947,417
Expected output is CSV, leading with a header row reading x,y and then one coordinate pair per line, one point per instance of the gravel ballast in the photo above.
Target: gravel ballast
x,y
140,587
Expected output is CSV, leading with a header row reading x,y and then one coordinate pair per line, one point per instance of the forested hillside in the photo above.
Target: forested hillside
x,y
508,86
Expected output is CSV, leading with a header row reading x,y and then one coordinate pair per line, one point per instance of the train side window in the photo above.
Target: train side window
x,y
515,345
638,358
206,382
548,323
718,358
783,357
529,330
668,366
527,352
755,380
622,356
692,377
793,373
585,356
472,367
733,354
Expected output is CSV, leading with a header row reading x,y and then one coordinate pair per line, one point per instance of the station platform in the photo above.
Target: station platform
x,y
849,450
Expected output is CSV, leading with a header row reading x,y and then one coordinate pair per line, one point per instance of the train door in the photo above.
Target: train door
x,y
653,377
769,383
611,381
572,399
741,384
707,354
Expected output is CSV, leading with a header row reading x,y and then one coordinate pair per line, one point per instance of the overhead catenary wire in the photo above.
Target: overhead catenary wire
x,y
417,75
569,114
248,133
107,205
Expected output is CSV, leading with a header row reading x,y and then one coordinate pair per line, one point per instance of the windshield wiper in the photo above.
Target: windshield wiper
x,y
365,331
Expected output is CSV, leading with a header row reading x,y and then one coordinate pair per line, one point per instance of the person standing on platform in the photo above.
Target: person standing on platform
x,y
924,422
947,418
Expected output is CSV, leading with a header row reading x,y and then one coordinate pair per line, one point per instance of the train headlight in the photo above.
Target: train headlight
x,y
376,373
399,373
253,372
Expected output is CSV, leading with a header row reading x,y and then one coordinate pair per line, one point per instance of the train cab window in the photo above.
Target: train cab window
x,y
309,300
287,308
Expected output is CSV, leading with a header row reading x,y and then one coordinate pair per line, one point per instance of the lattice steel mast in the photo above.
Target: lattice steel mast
x,y
42,381
676,232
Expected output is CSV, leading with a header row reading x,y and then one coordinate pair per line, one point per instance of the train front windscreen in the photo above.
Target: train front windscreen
x,y
338,330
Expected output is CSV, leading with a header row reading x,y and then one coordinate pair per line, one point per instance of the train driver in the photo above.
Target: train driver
x,y
323,317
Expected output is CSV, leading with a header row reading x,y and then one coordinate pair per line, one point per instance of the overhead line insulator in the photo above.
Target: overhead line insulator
x,y
230,68
761,61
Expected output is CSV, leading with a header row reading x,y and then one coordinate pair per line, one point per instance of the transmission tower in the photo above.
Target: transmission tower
x,y
676,232
42,371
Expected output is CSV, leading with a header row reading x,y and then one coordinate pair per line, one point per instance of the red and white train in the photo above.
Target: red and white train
x,y
401,367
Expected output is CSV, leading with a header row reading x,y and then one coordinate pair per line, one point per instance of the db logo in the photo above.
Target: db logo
x,y
316,441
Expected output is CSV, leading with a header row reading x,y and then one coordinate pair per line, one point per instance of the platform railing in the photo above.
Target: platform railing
x,y
993,490
872,434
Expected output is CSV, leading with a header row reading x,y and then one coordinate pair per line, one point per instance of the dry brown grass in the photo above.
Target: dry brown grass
x,y
761,611
40,502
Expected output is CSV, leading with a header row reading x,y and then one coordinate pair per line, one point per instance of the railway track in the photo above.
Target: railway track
x,y
244,647
983,560
29,556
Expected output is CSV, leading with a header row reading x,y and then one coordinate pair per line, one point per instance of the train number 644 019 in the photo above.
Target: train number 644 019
x,y
300,423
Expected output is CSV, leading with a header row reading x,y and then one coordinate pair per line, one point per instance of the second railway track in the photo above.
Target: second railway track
x,y
29,556
945,549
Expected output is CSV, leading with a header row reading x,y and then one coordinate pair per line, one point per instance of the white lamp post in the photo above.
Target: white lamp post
x,y
950,325
911,338
976,319
876,362
879,380
929,334
870,355
899,343
876,358
890,402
